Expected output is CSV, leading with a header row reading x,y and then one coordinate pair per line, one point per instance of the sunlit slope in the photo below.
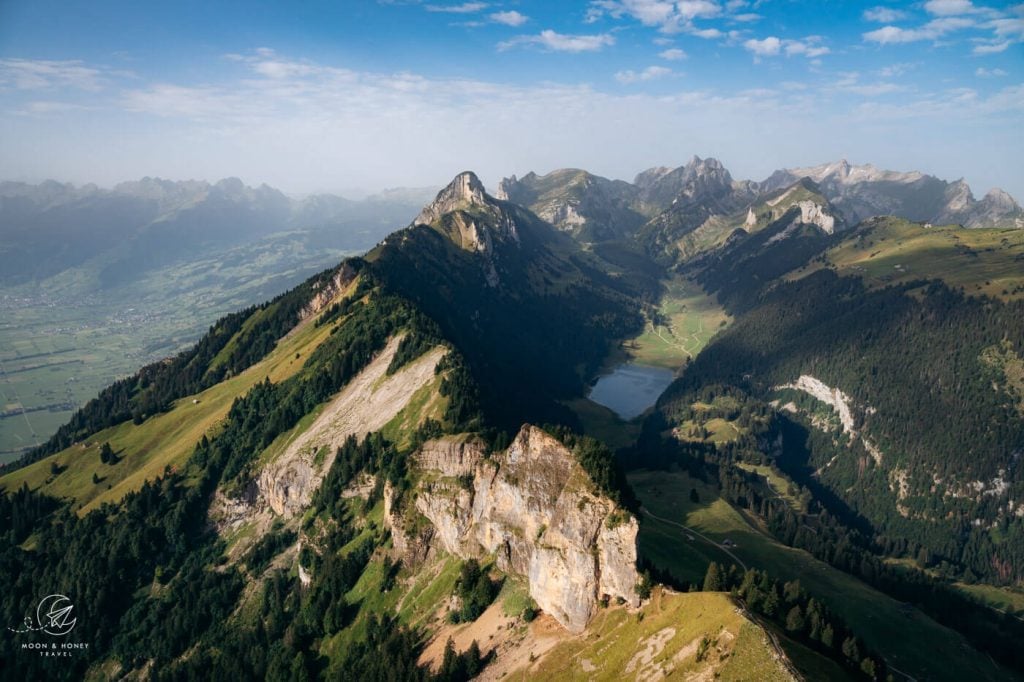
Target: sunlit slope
x,y
664,639
890,251
909,640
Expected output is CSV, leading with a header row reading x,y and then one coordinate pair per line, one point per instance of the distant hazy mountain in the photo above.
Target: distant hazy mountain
x,y
861,192
138,226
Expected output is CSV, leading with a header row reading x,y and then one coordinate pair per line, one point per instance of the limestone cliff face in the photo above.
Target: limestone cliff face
x,y
465,191
535,509
325,293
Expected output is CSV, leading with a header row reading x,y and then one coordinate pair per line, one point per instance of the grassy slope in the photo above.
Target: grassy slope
x,y
1008,599
691,318
163,440
983,261
668,629
906,637
777,482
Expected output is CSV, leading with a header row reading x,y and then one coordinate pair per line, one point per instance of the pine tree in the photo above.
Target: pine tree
x,y
795,619
828,635
850,649
713,578
473,660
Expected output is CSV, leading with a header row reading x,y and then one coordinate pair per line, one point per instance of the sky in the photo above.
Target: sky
x,y
359,95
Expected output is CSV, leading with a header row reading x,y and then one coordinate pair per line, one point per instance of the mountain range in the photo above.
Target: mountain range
x,y
393,471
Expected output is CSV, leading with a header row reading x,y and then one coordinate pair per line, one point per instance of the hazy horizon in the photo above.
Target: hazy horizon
x,y
490,183
400,93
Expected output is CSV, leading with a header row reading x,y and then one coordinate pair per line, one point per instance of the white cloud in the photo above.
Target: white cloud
x,y
949,8
707,33
894,70
982,72
771,46
884,15
464,8
933,30
561,42
648,74
693,9
510,18
647,12
668,17
873,89
672,54
768,47
809,47
747,17
40,74
991,48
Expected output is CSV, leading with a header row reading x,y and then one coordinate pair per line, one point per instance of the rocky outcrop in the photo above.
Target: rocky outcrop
x,y
471,219
325,292
465,191
812,213
840,403
534,509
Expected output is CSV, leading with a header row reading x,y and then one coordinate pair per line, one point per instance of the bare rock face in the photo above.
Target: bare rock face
x,y
326,292
535,509
450,457
471,218
464,191
812,213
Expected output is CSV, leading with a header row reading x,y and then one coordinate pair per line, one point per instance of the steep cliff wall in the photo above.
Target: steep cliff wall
x,y
534,508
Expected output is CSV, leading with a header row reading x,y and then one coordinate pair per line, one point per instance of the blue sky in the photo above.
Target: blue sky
x,y
333,96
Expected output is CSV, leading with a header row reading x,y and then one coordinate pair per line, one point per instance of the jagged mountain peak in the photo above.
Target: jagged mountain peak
x,y
464,191
587,206
999,198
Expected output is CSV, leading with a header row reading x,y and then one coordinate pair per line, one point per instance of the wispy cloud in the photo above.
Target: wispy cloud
x,y
673,54
933,30
464,8
292,122
561,42
648,74
668,17
952,16
884,15
982,72
37,74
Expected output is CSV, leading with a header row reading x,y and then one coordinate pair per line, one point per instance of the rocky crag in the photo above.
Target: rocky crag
x,y
533,508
